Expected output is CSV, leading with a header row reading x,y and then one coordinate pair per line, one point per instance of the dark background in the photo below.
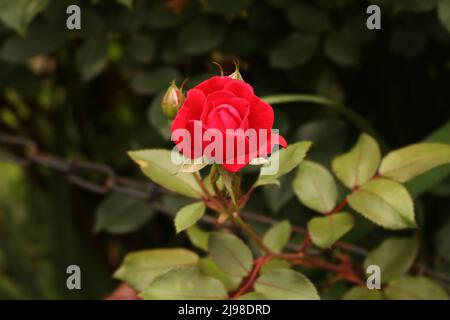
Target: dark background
x,y
94,94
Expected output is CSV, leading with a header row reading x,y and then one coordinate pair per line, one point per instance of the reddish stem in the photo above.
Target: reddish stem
x,y
258,263
305,244
344,270
339,207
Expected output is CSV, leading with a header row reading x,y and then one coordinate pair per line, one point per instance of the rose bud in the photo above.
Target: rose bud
x,y
236,74
172,101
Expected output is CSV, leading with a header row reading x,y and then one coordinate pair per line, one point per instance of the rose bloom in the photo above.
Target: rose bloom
x,y
228,108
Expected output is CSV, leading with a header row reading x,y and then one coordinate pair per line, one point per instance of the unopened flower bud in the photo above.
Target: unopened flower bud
x,y
236,74
172,101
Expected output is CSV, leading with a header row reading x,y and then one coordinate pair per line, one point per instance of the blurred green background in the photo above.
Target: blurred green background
x,y
95,93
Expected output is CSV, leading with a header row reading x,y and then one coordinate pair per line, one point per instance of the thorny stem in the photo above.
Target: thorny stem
x,y
344,270
218,204
258,263
305,244
250,232
201,184
338,208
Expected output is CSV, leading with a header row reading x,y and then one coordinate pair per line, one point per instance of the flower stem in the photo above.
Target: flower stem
x,y
252,277
354,117
250,232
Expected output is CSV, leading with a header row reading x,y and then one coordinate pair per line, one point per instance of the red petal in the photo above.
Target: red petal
x,y
240,89
261,114
212,84
241,105
233,167
195,103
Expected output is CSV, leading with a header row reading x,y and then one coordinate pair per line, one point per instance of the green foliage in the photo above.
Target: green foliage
x,y
359,165
230,254
386,203
443,9
140,268
189,215
426,181
158,166
325,231
288,159
315,187
201,36
294,50
394,256
18,14
198,237
414,288
39,40
283,284
186,283
406,163
358,293
253,296
96,92
118,214
278,236
91,59
210,268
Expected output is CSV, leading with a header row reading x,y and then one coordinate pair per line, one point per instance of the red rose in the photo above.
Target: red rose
x,y
229,107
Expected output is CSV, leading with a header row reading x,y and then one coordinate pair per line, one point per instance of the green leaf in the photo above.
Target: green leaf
x,y
293,51
91,58
284,284
414,288
386,203
344,45
325,231
141,267
142,48
198,237
394,256
210,268
151,82
126,3
189,215
160,16
18,14
359,293
119,214
426,181
406,163
158,166
360,164
253,296
277,196
226,7
278,236
287,159
191,166
201,36
443,11
315,187
274,264
186,283
307,17
39,40
231,181
230,253
407,5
